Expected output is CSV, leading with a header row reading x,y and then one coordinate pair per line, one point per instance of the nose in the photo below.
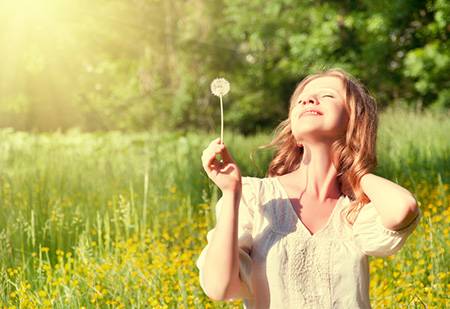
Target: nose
x,y
310,99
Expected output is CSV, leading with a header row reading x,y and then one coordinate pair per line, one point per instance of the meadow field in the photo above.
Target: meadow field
x,y
117,220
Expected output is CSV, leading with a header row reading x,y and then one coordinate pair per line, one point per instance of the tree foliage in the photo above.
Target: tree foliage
x,y
142,64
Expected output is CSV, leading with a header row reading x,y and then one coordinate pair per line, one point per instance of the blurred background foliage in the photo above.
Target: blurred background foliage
x,y
147,64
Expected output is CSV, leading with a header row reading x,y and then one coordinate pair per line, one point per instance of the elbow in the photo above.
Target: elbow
x,y
215,294
232,291
214,290
409,212
411,203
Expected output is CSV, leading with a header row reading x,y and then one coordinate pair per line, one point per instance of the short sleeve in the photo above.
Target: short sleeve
x,y
245,223
373,238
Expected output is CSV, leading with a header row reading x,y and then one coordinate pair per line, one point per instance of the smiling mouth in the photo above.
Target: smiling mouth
x,y
310,114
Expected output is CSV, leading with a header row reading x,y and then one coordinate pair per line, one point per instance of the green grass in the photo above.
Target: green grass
x,y
117,220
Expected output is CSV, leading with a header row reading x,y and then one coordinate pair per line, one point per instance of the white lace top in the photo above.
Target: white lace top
x,y
284,266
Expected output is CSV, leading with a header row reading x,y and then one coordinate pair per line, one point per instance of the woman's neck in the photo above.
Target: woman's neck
x,y
317,175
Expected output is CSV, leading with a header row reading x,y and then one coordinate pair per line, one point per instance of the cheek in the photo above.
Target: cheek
x,y
344,116
342,119
293,114
294,111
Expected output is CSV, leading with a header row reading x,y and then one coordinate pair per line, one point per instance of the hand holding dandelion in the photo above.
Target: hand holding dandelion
x,y
220,87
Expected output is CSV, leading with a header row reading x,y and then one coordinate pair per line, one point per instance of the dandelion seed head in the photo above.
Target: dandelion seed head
x,y
220,87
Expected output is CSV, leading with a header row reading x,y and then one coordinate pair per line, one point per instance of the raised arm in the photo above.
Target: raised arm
x,y
221,265
396,206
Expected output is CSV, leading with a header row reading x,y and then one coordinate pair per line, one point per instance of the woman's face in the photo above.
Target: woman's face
x,y
327,96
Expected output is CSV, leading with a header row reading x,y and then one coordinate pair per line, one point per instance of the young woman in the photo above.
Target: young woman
x,y
300,238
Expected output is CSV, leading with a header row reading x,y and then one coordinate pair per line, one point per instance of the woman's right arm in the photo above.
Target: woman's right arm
x,y
221,266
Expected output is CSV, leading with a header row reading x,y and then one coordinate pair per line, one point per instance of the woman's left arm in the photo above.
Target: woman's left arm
x,y
396,206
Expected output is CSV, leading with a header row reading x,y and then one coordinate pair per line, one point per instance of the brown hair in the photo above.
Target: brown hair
x,y
356,150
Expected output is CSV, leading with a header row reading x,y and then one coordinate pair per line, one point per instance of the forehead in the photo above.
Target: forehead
x,y
325,82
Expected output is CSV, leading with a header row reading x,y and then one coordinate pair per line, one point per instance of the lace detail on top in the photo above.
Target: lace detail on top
x,y
307,263
309,273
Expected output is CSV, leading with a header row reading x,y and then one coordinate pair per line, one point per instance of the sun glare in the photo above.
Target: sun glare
x,y
28,12
36,37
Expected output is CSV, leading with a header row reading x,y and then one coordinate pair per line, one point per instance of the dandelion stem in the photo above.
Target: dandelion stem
x,y
221,120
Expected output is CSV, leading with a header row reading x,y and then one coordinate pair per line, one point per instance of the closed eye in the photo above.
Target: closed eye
x,y
328,95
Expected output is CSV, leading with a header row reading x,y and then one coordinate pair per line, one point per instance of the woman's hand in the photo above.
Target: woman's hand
x,y
226,174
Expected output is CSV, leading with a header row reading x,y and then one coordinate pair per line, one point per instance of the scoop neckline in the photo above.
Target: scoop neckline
x,y
299,222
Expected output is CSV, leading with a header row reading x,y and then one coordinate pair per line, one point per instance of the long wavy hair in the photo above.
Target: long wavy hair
x,y
355,150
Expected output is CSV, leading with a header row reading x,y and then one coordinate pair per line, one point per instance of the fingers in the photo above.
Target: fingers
x,y
212,147
206,162
209,160
209,155
226,156
215,142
